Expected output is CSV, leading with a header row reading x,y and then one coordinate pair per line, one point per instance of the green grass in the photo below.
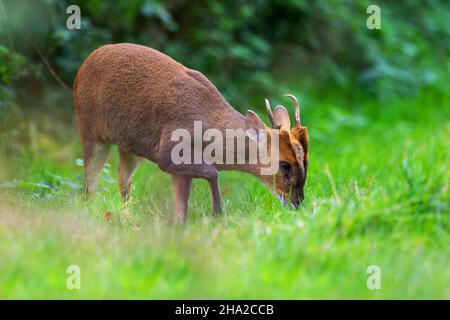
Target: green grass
x,y
377,194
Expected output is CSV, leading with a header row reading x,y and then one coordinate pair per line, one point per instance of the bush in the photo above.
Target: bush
x,y
255,44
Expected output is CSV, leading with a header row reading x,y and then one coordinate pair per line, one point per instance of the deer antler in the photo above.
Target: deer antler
x,y
271,117
297,109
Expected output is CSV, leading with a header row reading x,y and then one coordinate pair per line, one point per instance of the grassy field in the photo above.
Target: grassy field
x,y
377,194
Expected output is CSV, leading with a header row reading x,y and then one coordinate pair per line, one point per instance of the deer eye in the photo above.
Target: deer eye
x,y
285,166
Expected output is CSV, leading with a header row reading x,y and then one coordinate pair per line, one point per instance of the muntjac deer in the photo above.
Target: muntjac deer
x,y
137,97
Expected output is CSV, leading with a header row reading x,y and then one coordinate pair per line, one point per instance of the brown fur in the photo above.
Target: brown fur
x,y
135,97
301,135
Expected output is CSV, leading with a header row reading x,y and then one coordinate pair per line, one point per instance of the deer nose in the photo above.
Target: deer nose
x,y
297,200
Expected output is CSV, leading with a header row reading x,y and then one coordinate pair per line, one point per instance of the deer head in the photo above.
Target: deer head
x,y
289,181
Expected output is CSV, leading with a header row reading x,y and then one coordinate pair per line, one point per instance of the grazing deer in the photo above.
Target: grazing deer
x,y
135,97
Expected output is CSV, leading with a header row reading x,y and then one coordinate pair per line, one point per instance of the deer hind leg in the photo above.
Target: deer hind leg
x,y
181,191
95,154
128,165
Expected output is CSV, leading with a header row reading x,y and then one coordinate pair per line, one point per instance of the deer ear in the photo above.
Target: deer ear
x,y
253,121
301,134
254,126
281,116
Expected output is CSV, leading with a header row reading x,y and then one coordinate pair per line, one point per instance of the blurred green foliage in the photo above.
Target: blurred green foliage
x,y
377,188
11,67
243,46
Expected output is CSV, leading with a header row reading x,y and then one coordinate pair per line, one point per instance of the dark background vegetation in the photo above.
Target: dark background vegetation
x,y
244,47
377,107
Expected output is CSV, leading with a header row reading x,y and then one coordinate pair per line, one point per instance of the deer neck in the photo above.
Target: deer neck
x,y
234,122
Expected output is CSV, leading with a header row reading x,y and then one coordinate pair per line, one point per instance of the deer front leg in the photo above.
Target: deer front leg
x,y
182,176
181,191
204,171
215,195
